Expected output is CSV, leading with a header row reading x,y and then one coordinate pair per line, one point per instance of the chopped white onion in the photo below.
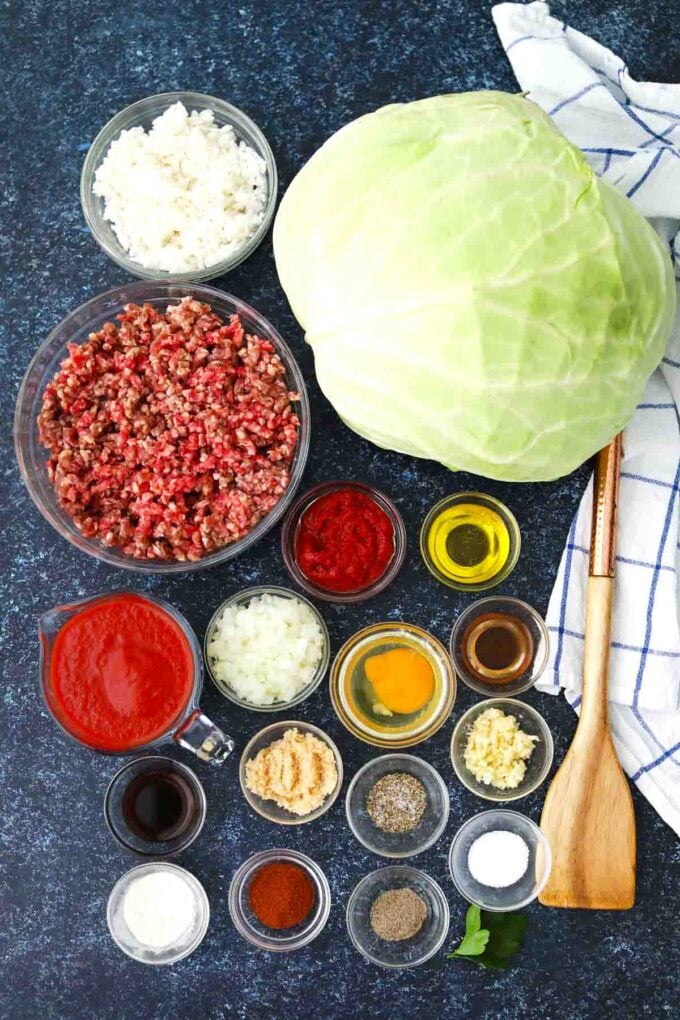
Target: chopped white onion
x,y
267,650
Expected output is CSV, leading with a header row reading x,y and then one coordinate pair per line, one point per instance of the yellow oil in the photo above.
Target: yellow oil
x,y
468,543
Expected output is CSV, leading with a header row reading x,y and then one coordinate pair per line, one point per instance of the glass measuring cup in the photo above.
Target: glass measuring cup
x,y
190,729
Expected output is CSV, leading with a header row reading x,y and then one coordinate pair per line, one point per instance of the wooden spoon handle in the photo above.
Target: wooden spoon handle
x,y
605,507
600,595
600,589
599,601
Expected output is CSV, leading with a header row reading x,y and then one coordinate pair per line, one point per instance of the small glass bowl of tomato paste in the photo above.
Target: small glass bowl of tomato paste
x,y
343,541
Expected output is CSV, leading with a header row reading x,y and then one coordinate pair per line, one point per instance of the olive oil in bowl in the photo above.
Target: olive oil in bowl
x,y
470,541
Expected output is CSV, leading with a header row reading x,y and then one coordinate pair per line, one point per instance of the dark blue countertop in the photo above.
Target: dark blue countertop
x,y
301,71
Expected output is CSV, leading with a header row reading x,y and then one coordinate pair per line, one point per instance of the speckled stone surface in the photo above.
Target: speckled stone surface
x,y
301,71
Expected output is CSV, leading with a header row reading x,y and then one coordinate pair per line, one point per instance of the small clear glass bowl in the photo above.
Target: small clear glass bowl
x,y
538,765
75,329
285,939
409,952
481,499
289,534
531,620
269,809
361,728
125,940
512,897
242,598
114,799
397,844
143,113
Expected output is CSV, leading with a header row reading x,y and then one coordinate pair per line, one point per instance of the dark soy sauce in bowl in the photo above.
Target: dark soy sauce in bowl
x,y
155,806
159,805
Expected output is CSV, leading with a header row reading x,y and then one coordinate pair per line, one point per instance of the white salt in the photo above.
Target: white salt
x,y
498,859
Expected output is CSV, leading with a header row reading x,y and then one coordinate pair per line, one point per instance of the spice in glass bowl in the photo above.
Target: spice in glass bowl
x,y
397,802
281,895
298,772
398,914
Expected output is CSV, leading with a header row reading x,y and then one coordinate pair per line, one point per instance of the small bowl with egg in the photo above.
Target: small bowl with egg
x,y
176,145
392,685
291,772
501,749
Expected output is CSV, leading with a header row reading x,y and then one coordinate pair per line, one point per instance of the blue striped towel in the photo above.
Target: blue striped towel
x,y
630,133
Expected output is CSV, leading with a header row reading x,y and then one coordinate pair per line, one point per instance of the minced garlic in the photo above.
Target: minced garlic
x,y
497,750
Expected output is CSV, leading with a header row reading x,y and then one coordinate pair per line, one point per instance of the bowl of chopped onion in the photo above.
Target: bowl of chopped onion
x,y
267,648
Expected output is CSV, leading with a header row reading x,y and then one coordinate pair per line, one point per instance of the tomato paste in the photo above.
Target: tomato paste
x,y
121,673
345,541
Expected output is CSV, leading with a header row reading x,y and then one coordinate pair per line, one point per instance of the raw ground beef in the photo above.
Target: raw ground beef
x,y
171,434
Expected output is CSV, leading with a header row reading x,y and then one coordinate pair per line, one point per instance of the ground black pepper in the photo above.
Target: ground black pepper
x,y
398,914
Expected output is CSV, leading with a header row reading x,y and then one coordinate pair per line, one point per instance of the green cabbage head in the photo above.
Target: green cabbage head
x,y
472,292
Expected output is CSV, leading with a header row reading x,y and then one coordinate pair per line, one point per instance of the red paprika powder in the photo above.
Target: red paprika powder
x,y
281,895
345,541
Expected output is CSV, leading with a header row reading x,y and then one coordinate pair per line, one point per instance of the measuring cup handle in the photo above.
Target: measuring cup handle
x,y
200,735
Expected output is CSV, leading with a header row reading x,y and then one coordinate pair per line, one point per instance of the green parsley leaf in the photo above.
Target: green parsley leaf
x,y
491,946
475,939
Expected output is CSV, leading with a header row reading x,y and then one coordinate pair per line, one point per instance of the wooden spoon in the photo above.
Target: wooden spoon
x,y
588,813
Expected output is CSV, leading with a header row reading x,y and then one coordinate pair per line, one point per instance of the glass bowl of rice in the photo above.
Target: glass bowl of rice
x,y
267,648
247,231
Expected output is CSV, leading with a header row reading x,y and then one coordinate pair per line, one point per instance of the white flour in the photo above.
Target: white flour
x,y
159,908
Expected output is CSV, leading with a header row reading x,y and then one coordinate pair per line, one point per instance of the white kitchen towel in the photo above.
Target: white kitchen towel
x,y
630,134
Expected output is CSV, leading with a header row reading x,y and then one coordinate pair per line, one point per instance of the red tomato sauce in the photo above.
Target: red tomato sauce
x,y
121,673
345,541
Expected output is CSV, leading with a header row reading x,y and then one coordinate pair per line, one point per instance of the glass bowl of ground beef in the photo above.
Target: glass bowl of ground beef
x,y
162,427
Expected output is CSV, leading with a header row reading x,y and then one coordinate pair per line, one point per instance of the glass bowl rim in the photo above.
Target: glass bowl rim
x,y
138,290
201,897
437,831
251,865
324,662
438,894
506,795
509,600
300,506
407,740
302,726
129,117
538,834
504,512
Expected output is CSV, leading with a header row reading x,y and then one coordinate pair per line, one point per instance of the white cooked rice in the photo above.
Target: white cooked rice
x,y
267,650
183,195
